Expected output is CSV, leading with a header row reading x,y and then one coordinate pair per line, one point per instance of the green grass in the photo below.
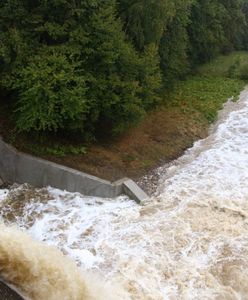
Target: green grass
x,y
210,88
219,67
56,150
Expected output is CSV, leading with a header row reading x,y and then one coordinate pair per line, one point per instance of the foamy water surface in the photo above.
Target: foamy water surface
x,y
189,241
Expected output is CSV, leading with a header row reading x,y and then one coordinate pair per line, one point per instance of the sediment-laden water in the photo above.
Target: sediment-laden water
x,y
189,241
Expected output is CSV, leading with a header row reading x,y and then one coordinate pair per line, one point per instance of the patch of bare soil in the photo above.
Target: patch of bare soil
x,y
163,136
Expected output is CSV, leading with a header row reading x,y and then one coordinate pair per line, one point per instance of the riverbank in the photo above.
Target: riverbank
x,y
163,135
191,239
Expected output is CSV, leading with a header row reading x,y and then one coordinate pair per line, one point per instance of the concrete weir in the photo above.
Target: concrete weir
x,y
18,167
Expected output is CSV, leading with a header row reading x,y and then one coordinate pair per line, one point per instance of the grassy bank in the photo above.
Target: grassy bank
x,y
163,135
211,85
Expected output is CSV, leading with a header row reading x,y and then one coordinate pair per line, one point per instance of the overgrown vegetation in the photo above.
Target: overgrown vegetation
x,y
205,95
162,136
96,67
211,85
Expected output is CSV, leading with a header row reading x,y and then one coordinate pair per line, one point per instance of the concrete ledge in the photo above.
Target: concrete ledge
x,y
8,293
23,168
131,189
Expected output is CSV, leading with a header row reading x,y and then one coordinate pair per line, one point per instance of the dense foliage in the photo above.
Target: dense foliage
x,y
93,65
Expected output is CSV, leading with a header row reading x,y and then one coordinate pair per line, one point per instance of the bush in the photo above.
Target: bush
x,y
244,72
238,70
51,95
233,71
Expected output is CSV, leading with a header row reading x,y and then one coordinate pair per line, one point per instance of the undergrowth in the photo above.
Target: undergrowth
x,y
211,86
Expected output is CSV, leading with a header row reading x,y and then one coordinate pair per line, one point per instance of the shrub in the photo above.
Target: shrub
x,y
233,71
238,70
244,72
51,95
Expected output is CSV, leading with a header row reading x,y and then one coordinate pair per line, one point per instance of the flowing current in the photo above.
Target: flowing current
x,y
188,241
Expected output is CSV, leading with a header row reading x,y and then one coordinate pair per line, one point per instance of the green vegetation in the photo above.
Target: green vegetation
x,y
201,95
239,69
221,66
94,68
56,150
205,95
163,135
211,86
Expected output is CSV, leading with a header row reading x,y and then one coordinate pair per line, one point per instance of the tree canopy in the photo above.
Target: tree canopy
x,y
91,65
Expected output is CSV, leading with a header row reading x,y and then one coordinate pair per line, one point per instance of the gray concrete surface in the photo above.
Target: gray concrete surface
x,y
7,293
131,189
23,168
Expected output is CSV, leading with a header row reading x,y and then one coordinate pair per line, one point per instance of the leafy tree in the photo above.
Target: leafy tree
x,y
52,94
233,22
244,34
206,30
79,69
216,27
146,20
175,43
90,65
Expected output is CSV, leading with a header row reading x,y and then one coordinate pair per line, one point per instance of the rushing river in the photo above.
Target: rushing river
x,y
188,241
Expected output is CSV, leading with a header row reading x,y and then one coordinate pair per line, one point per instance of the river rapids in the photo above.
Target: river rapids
x,y
189,241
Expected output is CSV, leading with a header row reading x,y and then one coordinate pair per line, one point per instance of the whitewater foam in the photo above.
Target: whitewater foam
x,y
41,272
190,241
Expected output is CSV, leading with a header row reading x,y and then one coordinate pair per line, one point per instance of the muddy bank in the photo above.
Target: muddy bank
x,y
162,137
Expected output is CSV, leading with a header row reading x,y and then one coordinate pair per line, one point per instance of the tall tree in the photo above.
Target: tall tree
x,y
206,30
44,41
245,27
175,43
84,64
233,22
146,20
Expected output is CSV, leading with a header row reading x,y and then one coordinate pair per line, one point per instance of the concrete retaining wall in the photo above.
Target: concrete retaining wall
x,y
23,168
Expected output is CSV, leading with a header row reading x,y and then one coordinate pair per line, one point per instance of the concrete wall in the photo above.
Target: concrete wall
x,y
23,168
7,293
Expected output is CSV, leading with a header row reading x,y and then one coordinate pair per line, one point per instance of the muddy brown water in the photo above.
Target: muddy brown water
x,y
189,241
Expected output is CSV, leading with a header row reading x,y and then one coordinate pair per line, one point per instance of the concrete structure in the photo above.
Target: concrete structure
x,y
7,293
23,168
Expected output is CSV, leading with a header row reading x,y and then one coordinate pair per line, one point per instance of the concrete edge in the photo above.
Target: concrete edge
x,y
8,291
19,167
131,189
